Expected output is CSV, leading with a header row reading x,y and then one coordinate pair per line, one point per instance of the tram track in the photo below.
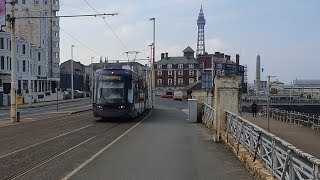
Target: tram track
x,y
56,156
38,125
15,176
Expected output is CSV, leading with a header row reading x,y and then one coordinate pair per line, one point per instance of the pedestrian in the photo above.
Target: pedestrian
x,y
254,108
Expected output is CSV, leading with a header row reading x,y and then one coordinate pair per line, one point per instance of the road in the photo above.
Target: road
x,y
30,112
52,147
163,146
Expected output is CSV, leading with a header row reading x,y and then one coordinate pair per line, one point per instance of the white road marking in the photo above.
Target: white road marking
x,y
102,150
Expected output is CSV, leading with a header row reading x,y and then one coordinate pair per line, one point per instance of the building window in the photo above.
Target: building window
x,y
17,1
56,44
24,49
1,43
170,73
191,80
159,73
180,73
23,1
45,2
36,2
180,66
54,13
55,55
39,56
55,2
56,34
169,81
8,44
8,63
159,66
39,70
24,66
191,73
191,66
159,82
2,62
180,81
169,66
201,65
55,23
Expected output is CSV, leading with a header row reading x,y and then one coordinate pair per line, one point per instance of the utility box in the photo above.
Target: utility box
x,y
192,107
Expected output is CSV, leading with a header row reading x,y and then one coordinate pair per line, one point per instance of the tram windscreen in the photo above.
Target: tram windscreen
x,y
110,92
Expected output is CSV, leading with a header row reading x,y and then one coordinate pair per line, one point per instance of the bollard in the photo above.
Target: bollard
x,y
18,116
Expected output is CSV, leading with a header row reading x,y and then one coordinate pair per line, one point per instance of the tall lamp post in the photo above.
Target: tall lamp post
x,y
153,60
72,46
268,103
91,77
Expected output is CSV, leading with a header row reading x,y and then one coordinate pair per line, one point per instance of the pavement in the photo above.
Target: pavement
x,y
306,139
165,146
41,104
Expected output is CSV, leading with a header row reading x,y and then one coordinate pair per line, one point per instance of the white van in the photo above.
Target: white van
x,y
178,95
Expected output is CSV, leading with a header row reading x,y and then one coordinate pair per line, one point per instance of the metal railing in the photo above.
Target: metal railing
x,y
208,116
308,120
283,102
281,158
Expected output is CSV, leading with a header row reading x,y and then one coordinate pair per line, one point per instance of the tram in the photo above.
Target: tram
x,y
119,92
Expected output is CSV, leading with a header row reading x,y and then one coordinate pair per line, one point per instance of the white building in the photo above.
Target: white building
x,y
42,32
32,70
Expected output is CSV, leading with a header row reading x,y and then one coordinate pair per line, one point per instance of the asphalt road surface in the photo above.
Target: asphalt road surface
x,y
164,146
53,147
30,112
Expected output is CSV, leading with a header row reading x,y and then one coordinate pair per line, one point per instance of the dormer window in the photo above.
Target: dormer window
x,y
169,66
191,66
180,66
159,66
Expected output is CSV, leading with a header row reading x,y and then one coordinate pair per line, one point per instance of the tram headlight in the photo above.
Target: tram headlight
x,y
121,107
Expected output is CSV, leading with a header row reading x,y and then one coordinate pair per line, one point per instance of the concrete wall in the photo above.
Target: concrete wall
x,y
227,98
203,96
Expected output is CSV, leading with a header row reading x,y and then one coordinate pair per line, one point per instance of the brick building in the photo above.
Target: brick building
x,y
175,73
219,64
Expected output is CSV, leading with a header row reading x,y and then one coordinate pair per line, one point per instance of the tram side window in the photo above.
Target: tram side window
x,y
130,95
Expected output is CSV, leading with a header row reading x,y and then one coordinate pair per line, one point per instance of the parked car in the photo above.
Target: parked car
x,y
78,94
167,96
178,95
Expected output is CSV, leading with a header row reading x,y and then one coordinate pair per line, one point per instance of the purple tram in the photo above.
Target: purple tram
x,y
119,92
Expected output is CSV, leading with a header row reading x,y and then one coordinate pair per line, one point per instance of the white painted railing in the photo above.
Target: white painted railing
x,y
283,159
308,120
208,116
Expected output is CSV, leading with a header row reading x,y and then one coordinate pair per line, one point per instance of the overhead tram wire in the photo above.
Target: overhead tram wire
x,y
108,26
80,42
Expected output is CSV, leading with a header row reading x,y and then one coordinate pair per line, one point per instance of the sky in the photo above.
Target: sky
x,y
286,33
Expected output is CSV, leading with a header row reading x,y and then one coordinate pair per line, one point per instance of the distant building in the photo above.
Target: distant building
x,y
32,70
175,73
42,32
219,64
78,75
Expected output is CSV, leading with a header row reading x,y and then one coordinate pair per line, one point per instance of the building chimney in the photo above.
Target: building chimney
x,y
221,55
162,55
166,55
258,75
228,57
237,63
217,54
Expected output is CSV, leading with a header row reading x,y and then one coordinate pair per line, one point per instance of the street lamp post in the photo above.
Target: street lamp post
x,y
72,94
268,102
13,90
153,60
91,77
